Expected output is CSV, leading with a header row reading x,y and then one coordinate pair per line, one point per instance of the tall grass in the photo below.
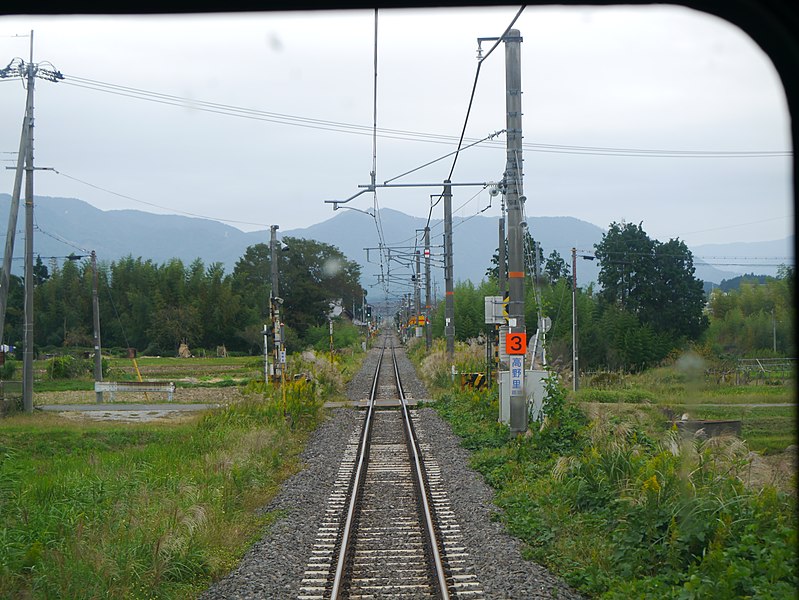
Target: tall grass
x,y
141,511
618,505
621,513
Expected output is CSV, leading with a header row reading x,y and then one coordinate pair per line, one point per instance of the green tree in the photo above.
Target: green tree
x,y
652,280
313,276
251,279
40,274
754,318
529,258
555,267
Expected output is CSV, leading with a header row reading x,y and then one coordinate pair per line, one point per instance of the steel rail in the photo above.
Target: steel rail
x,y
360,470
441,579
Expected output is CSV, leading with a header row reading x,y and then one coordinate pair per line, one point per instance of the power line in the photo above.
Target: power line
x,y
190,214
400,134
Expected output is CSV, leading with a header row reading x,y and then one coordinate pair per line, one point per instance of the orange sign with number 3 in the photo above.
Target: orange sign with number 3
x,y
516,343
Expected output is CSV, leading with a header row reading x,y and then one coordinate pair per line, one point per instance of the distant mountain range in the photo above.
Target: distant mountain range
x,y
66,225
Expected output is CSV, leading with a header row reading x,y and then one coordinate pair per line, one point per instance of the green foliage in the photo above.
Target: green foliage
x,y
67,367
556,268
155,307
345,335
70,367
749,320
8,370
652,280
631,396
470,413
620,514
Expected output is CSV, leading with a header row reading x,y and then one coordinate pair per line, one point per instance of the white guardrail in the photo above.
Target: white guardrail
x,y
135,386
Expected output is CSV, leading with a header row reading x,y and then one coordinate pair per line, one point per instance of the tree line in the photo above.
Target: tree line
x,y
648,305
155,307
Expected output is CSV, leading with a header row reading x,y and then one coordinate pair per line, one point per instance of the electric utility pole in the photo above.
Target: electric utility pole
x,y
275,302
98,354
417,290
575,363
449,306
515,197
28,72
428,331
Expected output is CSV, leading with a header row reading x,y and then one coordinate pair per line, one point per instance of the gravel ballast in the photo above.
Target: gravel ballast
x,y
274,566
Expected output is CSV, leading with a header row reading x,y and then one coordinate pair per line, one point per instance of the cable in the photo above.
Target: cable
x,y
60,239
474,89
343,127
427,164
190,214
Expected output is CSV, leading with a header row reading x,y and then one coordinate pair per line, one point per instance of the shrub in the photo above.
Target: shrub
x,y
8,370
70,367
620,514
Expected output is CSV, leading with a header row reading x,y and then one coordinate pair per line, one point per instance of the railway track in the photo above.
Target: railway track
x,y
388,530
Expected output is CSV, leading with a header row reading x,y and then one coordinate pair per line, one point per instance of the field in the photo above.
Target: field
x,y
767,412
159,509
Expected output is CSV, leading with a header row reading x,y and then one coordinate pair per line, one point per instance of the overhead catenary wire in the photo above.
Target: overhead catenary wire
x,y
378,219
474,90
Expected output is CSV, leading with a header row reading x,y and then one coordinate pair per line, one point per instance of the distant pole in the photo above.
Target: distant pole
x,y
449,307
330,320
575,363
275,304
417,289
774,329
266,352
98,353
27,365
513,184
428,330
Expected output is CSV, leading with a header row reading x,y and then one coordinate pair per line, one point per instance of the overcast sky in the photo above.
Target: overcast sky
x,y
629,78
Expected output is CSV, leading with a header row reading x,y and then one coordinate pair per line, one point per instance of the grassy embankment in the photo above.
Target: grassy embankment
x,y
147,510
620,506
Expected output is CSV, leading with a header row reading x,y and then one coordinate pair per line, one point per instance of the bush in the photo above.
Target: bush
x,y
619,514
8,370
70,367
